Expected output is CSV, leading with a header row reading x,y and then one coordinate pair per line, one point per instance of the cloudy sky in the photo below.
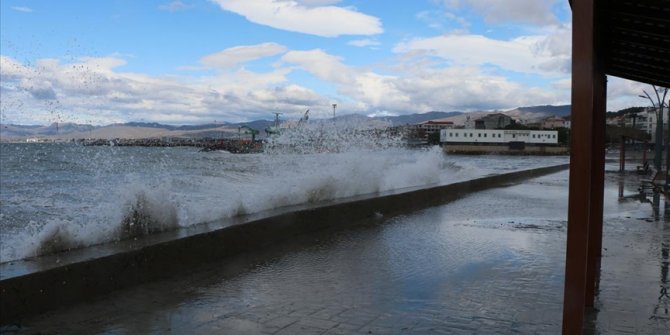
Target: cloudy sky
x,y
197,61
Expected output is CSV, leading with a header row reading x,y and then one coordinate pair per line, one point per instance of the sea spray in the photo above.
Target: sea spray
x,y
55,238
131,202
147,215
82,196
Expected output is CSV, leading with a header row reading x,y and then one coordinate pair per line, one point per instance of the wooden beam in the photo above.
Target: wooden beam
x,y
581,149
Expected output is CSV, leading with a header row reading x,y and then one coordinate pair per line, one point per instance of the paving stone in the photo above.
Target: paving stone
x,y
296,328
280,322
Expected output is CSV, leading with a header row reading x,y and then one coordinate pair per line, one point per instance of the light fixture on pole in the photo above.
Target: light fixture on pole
x,y
660,93
658,138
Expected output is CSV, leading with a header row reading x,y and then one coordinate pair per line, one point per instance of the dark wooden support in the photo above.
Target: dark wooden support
x,y
584,77
622,155
597,187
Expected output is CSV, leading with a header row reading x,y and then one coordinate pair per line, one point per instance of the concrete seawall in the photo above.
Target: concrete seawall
x,y
483,149
35,286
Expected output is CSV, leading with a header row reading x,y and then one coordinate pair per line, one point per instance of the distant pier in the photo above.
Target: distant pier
x,y
231,145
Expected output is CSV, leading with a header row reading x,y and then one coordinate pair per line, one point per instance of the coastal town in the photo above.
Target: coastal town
x,y
510,132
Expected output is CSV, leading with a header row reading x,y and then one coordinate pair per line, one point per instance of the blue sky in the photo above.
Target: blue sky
x,y
195,61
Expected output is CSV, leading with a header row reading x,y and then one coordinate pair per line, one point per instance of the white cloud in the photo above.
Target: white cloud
x,y
537,12
467,88
539,54
325,66
39,89
366,42
96,90
22,9
420,88
313,3
174,6
235,56
563,84
623,93
12,69
441,20
291,15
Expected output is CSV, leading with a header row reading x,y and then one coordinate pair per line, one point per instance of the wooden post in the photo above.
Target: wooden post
x,y
597,186
584,77
622,155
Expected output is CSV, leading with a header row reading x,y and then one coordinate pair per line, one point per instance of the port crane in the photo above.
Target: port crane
x,y
274,130
247,130
303,119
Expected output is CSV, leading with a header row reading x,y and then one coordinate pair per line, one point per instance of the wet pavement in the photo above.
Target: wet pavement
x,y
490,263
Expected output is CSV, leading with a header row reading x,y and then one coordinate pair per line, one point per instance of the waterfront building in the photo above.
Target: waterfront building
x,y
645,120
554,122
498,136
435,126
493,121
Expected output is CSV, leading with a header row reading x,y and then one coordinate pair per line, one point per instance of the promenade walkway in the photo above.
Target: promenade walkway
x,y
490,263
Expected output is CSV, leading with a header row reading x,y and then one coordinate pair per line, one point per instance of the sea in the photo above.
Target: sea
x,y
88,195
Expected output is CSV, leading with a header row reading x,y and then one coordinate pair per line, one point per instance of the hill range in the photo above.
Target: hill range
x,y
136,130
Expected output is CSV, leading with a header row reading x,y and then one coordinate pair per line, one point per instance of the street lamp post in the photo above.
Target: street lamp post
x,y
658,140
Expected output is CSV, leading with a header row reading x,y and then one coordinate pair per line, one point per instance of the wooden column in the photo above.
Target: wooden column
x,y
597,186
584,94
622,155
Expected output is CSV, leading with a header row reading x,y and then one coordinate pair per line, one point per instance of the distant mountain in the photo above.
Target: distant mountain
x,y
199,126
12,130
630,110
417,118
562,110
144,125
399,120
524,114
153,129
170,127
259,125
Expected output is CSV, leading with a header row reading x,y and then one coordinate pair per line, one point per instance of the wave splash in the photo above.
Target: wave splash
x,y
146,216
140,191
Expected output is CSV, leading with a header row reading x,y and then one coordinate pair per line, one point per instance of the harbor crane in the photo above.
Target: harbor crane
x,y
248,130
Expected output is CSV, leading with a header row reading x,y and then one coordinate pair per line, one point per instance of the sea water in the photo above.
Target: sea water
x,y
62,196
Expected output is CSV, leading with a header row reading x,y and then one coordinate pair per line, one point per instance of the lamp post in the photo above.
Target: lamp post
x,y
658,140
334,107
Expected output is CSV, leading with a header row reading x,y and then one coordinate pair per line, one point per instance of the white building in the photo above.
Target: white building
x,y
435,126
645,120
498,136
554,122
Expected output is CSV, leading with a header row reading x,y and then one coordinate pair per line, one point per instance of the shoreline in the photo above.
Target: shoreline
x,y
38,285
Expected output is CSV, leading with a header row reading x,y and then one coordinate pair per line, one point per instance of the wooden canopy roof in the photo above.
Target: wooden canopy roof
x,y
633,39
624,38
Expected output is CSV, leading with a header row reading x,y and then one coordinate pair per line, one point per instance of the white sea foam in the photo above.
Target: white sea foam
x,y
80,196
